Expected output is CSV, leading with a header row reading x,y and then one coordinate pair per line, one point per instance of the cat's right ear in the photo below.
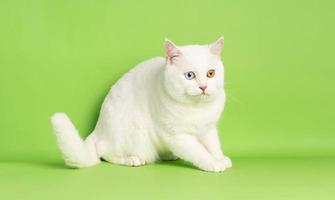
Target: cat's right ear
x,y
171,50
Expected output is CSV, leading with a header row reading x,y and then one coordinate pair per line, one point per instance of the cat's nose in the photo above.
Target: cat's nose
x,y
203,87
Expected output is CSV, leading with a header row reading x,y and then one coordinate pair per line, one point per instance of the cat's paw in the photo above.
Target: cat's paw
x,y
133,161
213,166
226,162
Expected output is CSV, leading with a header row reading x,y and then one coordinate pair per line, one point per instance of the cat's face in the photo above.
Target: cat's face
x,y
194,73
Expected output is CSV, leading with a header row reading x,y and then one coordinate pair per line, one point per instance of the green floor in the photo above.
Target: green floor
x,y
250,178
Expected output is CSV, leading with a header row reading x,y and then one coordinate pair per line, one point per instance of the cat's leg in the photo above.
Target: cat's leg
x,y
211,142
187,147
125,160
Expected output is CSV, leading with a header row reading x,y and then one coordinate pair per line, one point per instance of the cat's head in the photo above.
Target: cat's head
x,y
194,73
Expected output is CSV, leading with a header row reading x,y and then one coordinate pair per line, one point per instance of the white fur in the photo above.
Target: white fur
x,y
154,113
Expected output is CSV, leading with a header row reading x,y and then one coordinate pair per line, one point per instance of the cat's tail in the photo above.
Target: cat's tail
x,y
77,153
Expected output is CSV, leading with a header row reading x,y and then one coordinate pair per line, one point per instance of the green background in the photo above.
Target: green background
x,y
278,125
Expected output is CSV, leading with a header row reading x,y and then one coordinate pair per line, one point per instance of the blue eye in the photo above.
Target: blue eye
x,y
189,75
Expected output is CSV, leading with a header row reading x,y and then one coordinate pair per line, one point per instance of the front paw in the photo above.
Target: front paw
x,y
212,166
226,161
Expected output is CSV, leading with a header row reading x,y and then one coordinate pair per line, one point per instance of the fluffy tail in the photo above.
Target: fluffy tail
x,y
77,153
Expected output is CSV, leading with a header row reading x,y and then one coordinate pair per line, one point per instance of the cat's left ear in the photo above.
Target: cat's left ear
x,y
171,50
217,46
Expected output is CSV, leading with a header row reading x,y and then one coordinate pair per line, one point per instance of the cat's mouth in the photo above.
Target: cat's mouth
x,y
202,95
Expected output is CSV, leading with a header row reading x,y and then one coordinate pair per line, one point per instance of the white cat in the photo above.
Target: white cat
x,y
163,109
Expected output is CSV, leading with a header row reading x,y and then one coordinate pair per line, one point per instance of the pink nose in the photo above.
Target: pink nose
x,y
203,87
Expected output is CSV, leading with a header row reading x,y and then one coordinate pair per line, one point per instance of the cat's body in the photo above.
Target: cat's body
x,y
150,114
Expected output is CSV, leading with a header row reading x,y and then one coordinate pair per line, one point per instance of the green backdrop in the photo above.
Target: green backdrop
x,y
278,125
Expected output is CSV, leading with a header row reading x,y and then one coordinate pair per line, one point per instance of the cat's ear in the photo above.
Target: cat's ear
x,y
217,46
171,50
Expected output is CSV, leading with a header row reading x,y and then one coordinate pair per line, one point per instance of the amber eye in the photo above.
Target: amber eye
x,y
211,73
